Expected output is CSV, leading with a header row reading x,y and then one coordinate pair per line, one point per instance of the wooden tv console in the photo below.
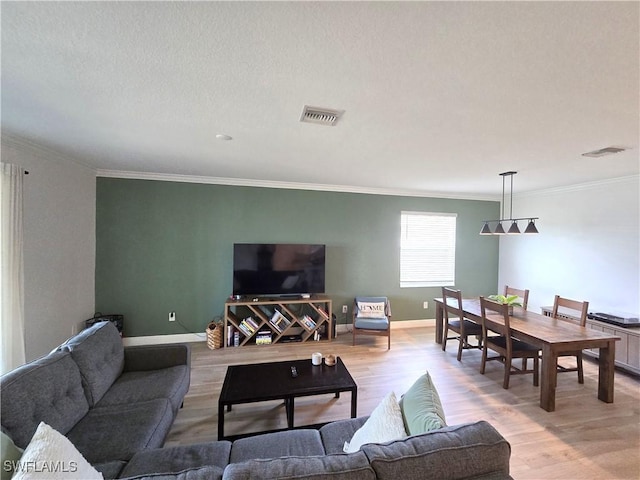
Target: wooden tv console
x,y
281,319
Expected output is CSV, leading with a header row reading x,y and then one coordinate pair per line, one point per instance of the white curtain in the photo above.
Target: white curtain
x,y
11,268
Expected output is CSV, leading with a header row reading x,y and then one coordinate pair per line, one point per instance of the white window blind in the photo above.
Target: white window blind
x,y
427,249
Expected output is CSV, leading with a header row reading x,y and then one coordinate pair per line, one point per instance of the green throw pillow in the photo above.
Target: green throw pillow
x,y
421,407
10,454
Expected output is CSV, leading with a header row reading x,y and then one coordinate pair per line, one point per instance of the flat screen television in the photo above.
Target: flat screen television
x,y
265,269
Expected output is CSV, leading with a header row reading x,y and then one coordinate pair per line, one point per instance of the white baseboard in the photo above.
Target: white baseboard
x,y
202,337
426,322
346,328
162,339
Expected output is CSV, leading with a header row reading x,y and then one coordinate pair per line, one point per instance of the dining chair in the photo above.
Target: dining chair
x,y
454,320
581,309
523,294
372,316
504,344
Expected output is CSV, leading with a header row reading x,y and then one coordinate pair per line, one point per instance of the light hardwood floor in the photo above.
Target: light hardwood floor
x,y
583,439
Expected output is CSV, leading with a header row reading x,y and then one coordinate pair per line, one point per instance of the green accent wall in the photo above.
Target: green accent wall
x,y
168,246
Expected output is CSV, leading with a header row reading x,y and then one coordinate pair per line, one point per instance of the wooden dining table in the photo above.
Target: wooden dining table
x,y
553,337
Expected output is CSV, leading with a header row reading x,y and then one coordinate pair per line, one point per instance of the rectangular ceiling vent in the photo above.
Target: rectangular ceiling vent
x,y
603,151
320,116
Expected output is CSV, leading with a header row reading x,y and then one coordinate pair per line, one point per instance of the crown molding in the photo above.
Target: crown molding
x,y
580,186
49,153
43,151
245,182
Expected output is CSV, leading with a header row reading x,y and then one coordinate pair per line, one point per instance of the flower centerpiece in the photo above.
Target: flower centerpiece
x,y
511,300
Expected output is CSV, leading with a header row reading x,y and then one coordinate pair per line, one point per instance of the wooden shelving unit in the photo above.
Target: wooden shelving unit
x,y
284,319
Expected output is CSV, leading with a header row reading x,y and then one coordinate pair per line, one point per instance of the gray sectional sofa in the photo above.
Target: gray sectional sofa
x,y
110,401
471,451
117,404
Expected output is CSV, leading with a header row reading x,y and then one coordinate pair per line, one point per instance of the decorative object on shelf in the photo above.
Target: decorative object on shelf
x,y
513,229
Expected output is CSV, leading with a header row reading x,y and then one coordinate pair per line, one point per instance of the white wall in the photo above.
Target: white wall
x,y
588,247
59,236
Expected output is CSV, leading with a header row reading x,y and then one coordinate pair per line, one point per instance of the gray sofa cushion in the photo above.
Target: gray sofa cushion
x,y
354,466
437,455
303,442
99,353
46,390
117,432
133,387
156,357
179,459
202,473
334,434
110,470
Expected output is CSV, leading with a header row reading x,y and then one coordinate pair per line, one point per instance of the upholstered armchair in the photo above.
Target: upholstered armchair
x,y
372,316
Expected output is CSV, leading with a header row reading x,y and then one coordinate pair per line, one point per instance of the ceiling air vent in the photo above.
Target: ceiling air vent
x,y
603,151
321,116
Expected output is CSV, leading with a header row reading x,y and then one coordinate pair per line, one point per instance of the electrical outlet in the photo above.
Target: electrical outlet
x,y
425,305
172,316
345,309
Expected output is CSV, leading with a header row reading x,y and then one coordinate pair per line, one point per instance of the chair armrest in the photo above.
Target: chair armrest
x,y
156,357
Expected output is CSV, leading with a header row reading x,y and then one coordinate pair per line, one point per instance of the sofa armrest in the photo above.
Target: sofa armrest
x,y
155,357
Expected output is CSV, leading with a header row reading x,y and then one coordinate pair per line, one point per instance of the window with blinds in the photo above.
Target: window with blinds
x,y
427,249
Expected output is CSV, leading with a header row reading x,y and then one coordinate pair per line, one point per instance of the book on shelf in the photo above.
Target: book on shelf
x,y
308,322
229,335
279,321
263,337
322,313
244,327
252,323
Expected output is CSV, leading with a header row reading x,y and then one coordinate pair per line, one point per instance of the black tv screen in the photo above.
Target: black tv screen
x,y
278,269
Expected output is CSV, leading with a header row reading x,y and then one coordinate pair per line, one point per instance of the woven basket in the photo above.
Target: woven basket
x,y
214,335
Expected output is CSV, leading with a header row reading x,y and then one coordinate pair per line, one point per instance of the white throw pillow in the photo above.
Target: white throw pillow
x,y
371,310
384,425
52,456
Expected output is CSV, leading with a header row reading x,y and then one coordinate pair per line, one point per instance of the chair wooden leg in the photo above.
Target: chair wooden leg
x,y
460,345
580,370
445,332
389,339
483,362
536,370
507,373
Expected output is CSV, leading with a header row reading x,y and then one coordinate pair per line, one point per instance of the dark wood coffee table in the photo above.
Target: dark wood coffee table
x,y
260,382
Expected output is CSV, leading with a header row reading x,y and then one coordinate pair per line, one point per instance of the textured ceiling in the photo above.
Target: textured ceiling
x,y
439,97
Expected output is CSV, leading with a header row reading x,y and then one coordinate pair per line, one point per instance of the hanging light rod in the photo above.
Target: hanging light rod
x,y
513,229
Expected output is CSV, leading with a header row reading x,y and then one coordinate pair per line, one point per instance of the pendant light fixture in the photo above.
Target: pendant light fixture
x,y
514,229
